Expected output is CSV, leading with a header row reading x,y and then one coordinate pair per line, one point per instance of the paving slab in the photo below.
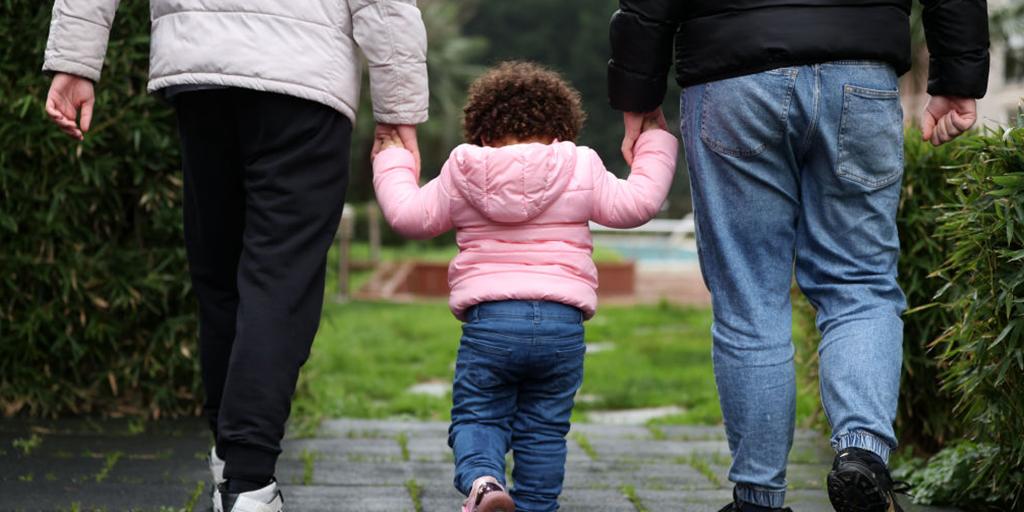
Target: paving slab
x,y
373,465
357,499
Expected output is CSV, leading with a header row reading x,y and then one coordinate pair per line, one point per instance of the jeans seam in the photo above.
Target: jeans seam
x,y
806,143
856,63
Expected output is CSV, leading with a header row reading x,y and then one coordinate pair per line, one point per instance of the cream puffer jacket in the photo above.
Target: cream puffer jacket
x,y
304,48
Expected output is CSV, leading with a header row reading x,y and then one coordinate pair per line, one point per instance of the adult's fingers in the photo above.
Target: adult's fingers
x,y
660,118
86,119
627,148
376,148
51,109
927,126
407,134
632,124
951,129
941,131
962,123
63,115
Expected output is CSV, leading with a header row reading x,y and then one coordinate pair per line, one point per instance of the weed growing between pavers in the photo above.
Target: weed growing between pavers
x,y
308,463
585,445
656,433
193,498
415,494
403,444
27,444
630,493
109,461
137,426
700,464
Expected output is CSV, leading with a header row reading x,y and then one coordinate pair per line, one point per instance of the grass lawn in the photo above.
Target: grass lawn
x,y
367,355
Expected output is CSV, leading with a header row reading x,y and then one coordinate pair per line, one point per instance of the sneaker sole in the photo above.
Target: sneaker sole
x,y
854,489
496,502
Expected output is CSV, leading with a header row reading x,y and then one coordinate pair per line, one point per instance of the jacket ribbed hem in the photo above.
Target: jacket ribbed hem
x,y
258,84
528,286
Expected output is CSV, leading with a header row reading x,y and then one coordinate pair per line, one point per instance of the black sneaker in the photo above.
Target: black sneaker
x,y
860,482
738,505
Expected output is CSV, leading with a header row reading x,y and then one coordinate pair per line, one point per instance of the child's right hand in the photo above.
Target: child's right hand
x,y
654,121
389,139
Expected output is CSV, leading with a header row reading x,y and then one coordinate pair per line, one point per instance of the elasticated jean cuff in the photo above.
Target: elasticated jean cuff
x,y
864,441
248,463
760,496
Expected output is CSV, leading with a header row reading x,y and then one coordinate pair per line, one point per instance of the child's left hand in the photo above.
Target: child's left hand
x,y
654,121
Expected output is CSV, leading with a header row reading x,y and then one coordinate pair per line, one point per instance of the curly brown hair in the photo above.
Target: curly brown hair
x,y
520,101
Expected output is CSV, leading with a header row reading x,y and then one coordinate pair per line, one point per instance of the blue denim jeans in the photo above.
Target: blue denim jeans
x,y
799,168
518,369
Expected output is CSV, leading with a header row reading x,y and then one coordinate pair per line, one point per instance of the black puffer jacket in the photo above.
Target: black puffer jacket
x,y
717,39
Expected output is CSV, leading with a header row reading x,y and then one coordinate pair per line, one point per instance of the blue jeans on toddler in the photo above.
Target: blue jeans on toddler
x,y
799,168
519,366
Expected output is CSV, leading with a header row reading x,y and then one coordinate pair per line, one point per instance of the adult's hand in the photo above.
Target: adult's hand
x,y
946,117
407,134
633,122
70,95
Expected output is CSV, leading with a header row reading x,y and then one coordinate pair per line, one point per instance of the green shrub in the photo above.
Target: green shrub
x,y
947,477
923,419
95,314
982,350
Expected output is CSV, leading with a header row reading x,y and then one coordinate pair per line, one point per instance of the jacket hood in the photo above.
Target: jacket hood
x,y
514,183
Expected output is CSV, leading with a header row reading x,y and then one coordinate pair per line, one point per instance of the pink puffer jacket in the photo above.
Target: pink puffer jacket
x,y
521,212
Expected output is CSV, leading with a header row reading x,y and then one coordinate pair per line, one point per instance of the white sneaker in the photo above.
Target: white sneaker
x,y
217,472
267,499
216,467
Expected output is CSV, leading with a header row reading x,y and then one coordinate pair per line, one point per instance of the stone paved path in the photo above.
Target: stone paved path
x,y
355,465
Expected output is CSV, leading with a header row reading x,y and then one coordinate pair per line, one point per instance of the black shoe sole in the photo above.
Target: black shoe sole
x,y
852,488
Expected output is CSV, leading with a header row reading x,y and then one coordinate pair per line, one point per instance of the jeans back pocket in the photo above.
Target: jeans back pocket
x,y
744,115
870,149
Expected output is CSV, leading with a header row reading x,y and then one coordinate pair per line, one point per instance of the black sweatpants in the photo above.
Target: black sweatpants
x,y
265,177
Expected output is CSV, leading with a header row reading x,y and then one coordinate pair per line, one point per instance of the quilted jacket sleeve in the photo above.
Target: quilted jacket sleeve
x,y
393,39
957,34
413,212
642,34
635,200
79,30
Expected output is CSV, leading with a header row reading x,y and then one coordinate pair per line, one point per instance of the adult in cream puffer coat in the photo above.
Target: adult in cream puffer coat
x,y
304,48
266,93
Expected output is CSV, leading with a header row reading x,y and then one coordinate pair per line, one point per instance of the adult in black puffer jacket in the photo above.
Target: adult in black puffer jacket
x,y
793,130
717,39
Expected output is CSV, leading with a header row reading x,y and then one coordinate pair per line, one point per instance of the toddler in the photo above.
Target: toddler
x,y
520,195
